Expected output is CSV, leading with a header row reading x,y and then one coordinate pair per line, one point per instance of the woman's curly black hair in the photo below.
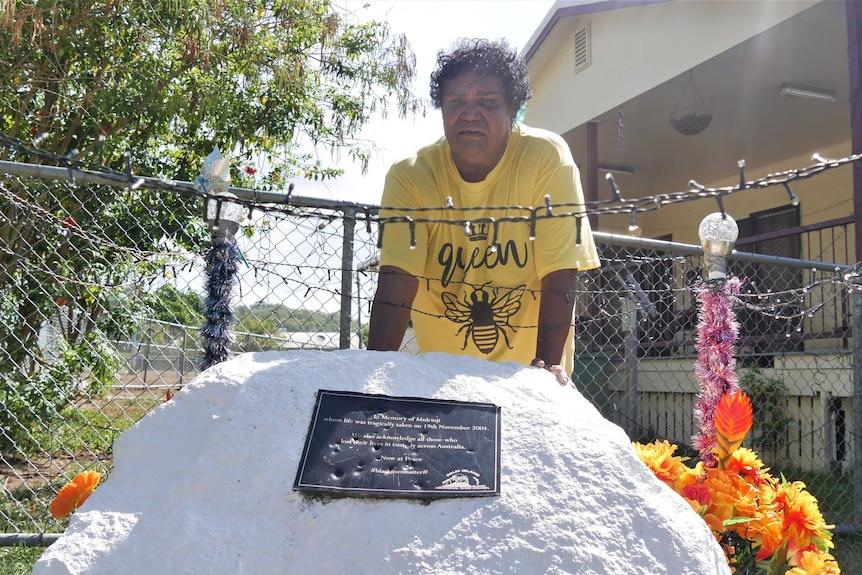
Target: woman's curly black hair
x,y
491,57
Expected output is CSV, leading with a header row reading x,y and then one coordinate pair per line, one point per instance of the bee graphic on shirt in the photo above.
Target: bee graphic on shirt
x,y
484,318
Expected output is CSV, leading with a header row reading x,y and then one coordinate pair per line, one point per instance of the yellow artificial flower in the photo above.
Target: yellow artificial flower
x,y
659,457
813,563
690,476
802,520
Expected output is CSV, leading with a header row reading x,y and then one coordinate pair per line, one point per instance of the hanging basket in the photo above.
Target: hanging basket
x,y
691,121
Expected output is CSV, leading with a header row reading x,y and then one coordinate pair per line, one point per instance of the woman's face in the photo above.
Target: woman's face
x,y
477,122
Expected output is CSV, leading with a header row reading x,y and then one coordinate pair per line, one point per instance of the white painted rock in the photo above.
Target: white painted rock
x,y
204,484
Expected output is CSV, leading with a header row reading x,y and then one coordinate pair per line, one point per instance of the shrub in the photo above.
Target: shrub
x,y
768,396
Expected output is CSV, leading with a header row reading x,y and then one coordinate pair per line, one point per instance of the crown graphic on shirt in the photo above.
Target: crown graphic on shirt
x,y
477,231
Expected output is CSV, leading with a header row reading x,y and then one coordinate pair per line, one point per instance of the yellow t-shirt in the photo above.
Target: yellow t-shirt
x,y
477,297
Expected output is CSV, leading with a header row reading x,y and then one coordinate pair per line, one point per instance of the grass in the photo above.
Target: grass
x,y
848,552
25,508
26,511
19,560
83,440
94,426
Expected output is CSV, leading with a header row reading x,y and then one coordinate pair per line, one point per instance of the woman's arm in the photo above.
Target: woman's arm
x,y
390,311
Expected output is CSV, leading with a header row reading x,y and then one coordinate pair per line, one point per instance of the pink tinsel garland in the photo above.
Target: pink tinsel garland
x,y
717,331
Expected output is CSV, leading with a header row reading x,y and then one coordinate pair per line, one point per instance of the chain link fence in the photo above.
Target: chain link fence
x,y
101,306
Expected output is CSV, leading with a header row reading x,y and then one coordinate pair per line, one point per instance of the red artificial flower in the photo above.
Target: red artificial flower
x,y
699,493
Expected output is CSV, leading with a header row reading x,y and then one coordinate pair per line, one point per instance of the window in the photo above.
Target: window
x,y
763,331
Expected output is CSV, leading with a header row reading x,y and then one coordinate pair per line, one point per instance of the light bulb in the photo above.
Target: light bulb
x,y
718,233
634,228
223,214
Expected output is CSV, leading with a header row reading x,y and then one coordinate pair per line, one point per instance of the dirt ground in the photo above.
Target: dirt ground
x,y
35,471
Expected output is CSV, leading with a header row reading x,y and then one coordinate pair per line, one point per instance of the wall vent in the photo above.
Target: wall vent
x,y
582,48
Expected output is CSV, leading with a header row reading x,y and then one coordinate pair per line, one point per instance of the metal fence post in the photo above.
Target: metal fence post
x,y
360,343
856,417
149,345
631,321
347,277
183,357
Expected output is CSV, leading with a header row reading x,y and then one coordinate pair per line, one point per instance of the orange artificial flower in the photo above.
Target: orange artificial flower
x,y
774,516
74,494
813,563
659,457
803,521
690,476
732,497
745,462
733,419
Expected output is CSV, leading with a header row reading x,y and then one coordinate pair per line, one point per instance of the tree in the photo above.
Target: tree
x,y
168,79
265,328
164,81
177,316
287,319
171,305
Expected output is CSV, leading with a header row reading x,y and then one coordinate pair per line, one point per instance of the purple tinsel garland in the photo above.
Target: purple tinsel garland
x,y
717,331
216,335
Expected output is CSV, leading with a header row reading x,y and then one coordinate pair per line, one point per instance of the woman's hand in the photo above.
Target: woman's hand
x,y
558,371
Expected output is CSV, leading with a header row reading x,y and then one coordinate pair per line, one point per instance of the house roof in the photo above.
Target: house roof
x,y
567,8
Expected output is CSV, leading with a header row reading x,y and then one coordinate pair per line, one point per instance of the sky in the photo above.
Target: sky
x,y
429,25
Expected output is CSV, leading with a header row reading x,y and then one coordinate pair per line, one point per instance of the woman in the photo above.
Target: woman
x,y
476,281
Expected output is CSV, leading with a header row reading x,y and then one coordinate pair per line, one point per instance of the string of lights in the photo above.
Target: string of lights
x,y
65,230
784,305
616,204
787,305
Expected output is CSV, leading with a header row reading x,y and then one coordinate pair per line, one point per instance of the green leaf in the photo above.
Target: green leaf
x,y
779,560
736,521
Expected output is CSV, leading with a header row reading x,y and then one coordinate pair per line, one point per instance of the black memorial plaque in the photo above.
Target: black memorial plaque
x,y
363,444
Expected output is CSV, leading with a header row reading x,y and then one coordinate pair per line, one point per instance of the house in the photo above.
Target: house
x,y
325,341
770,80
662,92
